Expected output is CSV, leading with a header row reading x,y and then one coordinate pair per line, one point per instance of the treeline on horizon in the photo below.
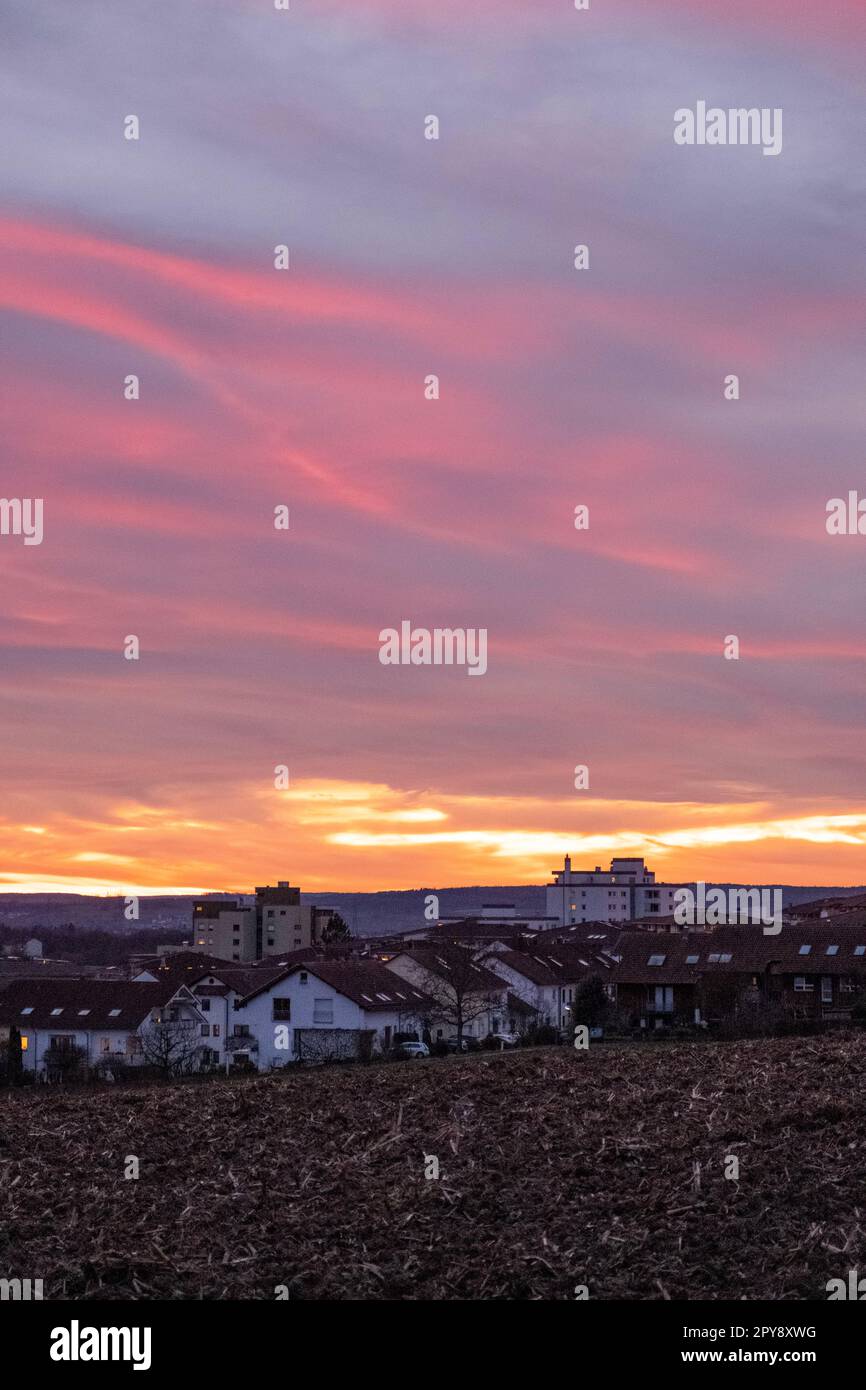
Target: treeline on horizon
x,y
89,945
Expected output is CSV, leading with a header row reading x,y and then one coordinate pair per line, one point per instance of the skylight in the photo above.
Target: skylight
x,y
656,960
804,950
366,996
28,1010
55,1012
113,1013
832,950
692,960
82,1013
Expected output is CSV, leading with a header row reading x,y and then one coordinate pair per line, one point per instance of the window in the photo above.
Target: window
x,y
804,950
113,1013
105,1045
303,977
323,1011
832,951
692,960
242,1030
82,1013
282,912
133,1045
713,957
826,989
725,957
216,1030
661,999
656,960
28,1010
205,1030
801,984
282,1009
56,1012
204,1005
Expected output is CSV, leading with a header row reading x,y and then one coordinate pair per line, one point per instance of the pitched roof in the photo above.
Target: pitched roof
x,y
82,1004
642,958
369,984
436,964
550,968
804,949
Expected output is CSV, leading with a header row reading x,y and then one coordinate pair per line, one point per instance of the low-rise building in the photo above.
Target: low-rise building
x,y
95,1021
548,980
469,1000
325,1009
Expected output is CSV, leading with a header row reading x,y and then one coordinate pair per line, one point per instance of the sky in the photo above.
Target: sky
x,y
305,388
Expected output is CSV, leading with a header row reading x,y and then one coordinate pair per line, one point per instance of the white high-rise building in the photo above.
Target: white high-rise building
x,y
624,893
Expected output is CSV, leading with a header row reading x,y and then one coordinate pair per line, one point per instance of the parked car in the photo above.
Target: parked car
x,y
466,1045
411,1049
505,1039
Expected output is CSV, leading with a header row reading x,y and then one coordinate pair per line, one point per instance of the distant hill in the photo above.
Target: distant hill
x,y
367,914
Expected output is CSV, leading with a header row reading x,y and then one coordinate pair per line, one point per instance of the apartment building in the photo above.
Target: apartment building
x,y
623,893
255,926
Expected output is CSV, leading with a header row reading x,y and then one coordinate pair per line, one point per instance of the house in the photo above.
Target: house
x,y
468,999
548,980
320,1009
655,980
217,986
102,1020
810,970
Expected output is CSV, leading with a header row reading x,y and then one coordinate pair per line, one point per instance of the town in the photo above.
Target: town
x,y
264,982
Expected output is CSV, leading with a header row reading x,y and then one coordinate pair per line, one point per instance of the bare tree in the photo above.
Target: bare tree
x,y
64,1061
460,993
172,1047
